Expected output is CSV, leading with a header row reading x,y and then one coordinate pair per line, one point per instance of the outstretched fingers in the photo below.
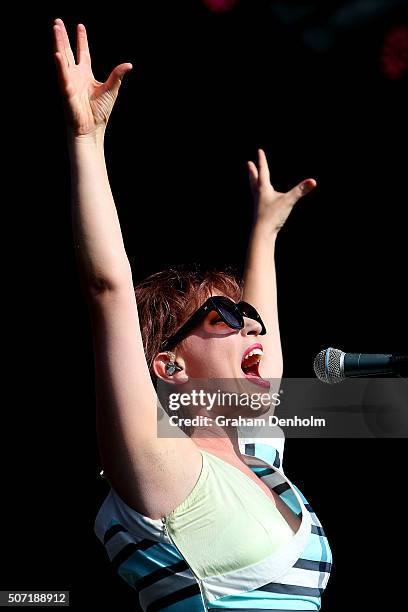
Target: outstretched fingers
x,y
62,71
83,55
253,176
264,177
62,42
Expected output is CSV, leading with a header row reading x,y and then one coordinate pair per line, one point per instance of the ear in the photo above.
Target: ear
x,y
159,368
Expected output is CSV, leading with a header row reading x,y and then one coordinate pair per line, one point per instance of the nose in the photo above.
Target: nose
x,y
251,327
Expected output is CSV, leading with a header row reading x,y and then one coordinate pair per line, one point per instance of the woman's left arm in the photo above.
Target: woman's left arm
x,y
272,208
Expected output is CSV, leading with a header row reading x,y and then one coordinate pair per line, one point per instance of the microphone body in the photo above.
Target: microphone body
x,y
363,364
333,366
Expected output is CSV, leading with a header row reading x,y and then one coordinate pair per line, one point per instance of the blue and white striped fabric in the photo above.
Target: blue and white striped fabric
x,y
162,579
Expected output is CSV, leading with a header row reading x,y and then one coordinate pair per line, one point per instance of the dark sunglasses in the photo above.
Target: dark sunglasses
x,y
231,313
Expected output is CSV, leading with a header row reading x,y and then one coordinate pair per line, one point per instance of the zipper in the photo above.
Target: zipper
x,y
166,532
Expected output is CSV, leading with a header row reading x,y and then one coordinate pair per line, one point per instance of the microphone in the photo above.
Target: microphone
x,y
332,365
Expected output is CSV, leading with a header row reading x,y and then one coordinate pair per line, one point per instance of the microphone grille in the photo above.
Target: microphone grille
x,y
328,365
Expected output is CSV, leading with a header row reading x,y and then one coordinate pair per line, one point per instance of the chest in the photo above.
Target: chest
x,y
292,519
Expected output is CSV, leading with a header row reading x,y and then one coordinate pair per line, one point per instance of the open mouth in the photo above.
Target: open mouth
x,y
250,365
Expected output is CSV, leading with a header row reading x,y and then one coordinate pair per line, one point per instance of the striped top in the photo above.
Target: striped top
x,y
147,559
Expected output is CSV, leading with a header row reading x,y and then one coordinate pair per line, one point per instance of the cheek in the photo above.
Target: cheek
x,y
204,356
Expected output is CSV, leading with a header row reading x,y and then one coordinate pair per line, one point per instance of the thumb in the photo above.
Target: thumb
x,y
115,78
300,190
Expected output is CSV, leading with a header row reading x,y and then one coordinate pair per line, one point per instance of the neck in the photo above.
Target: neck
x,y
221,440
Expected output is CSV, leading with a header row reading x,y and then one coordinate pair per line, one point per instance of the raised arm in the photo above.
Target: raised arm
x,y
272,208
88,103
139,466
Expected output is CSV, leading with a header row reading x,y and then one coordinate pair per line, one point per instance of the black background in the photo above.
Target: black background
x,y
205,92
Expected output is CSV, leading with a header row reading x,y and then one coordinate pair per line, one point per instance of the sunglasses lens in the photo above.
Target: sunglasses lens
x,y
231,317
249,311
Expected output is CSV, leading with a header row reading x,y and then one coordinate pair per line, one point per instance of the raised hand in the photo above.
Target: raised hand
x,y
272,208
88,102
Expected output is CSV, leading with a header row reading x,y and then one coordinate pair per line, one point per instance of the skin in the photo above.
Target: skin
x,y
151,474
223,352
223,349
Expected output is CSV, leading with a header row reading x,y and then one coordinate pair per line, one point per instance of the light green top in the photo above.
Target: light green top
x,y
227,522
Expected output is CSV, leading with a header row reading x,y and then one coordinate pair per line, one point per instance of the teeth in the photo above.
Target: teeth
x,y
256,351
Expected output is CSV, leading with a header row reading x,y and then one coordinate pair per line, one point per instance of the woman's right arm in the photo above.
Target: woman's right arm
x,y
126,399
88,103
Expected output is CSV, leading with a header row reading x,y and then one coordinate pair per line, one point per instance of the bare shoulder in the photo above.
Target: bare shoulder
x,y
151,470
164,473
